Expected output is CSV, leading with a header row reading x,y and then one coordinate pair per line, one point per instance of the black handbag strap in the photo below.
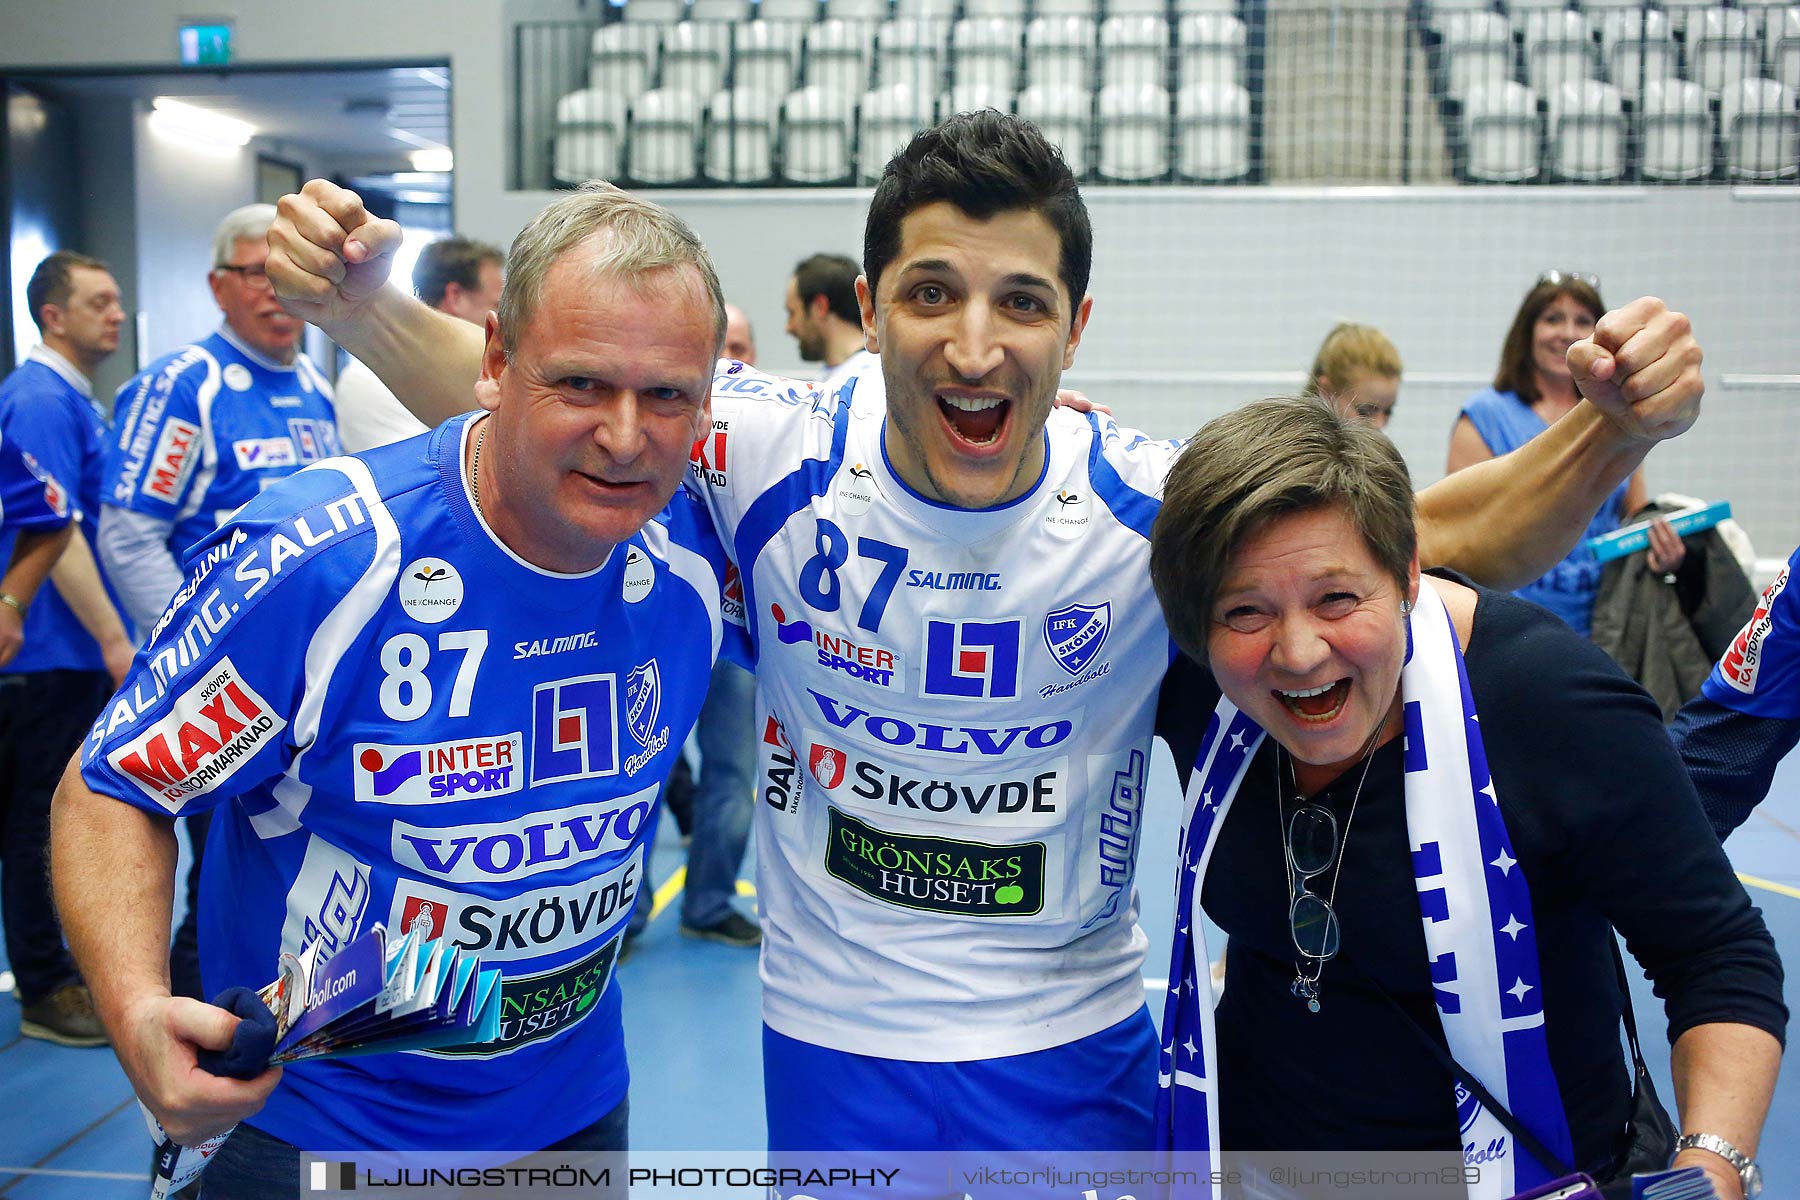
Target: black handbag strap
x,y
1445,1059
1526,1138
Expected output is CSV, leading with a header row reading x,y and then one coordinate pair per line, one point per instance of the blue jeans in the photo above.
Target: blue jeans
x,y
253,1165
723,801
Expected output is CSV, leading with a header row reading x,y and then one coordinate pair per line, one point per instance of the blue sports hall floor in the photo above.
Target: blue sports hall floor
x,y
69,1128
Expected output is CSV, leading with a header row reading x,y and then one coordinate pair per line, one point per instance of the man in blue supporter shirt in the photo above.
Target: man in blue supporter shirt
x,y
1746,718
199,432
435,686
76,648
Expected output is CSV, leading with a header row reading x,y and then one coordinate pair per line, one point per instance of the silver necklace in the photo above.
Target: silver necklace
x,y
1306,986
475,467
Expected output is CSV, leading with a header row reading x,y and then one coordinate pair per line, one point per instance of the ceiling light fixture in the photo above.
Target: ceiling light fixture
x,y
437,159
195,124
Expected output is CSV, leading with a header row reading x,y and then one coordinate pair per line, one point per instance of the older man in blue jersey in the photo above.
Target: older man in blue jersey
x,y
959,646
435,685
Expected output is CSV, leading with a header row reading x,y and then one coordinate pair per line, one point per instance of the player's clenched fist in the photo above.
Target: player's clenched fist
x,y
1641,367
326,253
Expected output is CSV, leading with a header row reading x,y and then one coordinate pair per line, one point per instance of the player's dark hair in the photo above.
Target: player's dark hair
x,y
53,280
1517,374
832,276
985,163
451,260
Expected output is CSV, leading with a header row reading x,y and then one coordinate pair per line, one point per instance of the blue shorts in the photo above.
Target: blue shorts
x,y
1098,1093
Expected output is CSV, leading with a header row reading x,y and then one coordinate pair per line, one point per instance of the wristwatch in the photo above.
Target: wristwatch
x,y
1747,1170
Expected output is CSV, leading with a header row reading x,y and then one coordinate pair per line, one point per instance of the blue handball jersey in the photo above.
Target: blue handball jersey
x,y
1760,674
400,721
203,430
30,498
45,408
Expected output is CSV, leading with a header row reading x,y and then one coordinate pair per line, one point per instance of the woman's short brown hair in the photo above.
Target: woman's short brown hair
x,y
1262,462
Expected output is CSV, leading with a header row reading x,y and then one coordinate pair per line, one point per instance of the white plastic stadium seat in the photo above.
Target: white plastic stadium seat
x,y
856,10
665,136
764,55
1059,50
1185,7
1762,130
985,51
935,10
656,12
694,56
1559,49
1723,50
740,137
973,97
719,10
1212,132
1683,13
1587,131
1478,49
622,58
1064,112
891,114
590,129
838,53
1013,9
1068,8
1439,13
815,136
1501,124
1133,50
1127,8
1677,130
1134,131
1637,47
1784,49
911,52
1209,49
793,11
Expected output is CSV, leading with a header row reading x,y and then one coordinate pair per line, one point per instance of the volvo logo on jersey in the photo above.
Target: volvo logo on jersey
x,y
452,770
574,729
643,702
1076,633
972,660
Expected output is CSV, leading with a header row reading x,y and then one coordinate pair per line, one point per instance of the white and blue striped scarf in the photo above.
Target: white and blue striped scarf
x,y
1475,906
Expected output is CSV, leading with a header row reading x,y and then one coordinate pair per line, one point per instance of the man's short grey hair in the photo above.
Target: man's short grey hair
x,y
247,224
639,238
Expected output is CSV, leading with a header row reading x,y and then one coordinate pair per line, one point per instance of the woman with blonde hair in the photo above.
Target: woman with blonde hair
x,y
1357,368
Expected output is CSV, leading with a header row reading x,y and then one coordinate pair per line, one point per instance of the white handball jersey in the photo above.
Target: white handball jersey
x,y
955,709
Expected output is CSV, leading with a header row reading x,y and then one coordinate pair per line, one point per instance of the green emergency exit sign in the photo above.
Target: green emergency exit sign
x,y
205,43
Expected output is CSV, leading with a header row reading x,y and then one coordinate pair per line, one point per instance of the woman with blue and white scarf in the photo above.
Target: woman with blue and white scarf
x,y
1415,787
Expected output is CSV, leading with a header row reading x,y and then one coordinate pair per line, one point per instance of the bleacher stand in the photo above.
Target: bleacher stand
x,y
1065,113
1761,129
740,137
838,54
1210,49
816,128
623,58
1637,47
1212,132
1133,50
1060,50
911,52
891,114
694,57
1504,130
590,131
665,137
1723,50
1559,49
1676,131
1587,131
1134,131
986,52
